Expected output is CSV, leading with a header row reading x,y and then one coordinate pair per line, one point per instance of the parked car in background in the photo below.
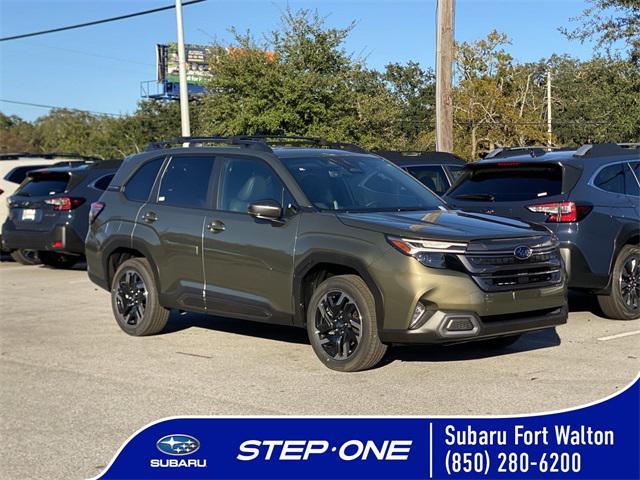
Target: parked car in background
x,y
13,170
49,213
340,242
437,170
589,198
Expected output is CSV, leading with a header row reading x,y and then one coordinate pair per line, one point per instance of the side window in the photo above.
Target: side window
x,y
611,179
245,181
432,176
186,181
631,179
103,182
138,188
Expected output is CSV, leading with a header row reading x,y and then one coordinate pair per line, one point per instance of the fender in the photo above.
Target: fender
x,y
113,244
317,257
628,233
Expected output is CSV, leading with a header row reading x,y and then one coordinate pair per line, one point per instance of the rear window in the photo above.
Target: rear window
x,y
44,185
509,184
432,176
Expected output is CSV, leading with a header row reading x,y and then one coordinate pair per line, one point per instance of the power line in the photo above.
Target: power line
x,y
49,107
97,22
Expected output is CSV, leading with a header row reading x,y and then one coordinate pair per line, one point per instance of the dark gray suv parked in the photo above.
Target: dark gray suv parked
x,y
590,199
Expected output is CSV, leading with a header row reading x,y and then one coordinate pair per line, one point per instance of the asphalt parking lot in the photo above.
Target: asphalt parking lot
x,y
70,377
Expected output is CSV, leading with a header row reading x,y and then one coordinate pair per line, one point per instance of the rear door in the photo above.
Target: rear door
x,y
176,213
28,209
249,262
508,188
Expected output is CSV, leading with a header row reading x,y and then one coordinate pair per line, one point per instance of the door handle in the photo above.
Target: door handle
x,y
216,226
150,217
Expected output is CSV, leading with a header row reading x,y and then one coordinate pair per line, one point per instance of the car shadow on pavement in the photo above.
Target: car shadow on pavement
x,y
472,350
415,353
279,333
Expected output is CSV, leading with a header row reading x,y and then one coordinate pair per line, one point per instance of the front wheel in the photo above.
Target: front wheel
x,y
623,303
134,299
342,325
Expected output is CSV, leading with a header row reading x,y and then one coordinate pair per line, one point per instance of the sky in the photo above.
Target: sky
x,y
100,68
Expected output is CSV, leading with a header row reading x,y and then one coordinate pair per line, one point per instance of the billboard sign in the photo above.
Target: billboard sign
x,y
197,57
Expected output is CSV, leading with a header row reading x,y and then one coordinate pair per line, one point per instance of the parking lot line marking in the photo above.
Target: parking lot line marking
x,y
619,335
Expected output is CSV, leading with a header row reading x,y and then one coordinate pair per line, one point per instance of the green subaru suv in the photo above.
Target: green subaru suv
x,y
316,235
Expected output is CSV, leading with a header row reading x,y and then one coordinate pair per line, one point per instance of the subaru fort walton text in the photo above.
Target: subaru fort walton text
x,y
299,231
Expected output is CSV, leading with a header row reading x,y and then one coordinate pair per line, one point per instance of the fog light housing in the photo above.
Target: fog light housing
x,y
460,324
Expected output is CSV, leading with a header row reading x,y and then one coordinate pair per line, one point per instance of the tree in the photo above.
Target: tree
x,y
496,102
609,22
16,135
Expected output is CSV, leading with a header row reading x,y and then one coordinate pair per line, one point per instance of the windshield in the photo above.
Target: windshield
x,y
359,183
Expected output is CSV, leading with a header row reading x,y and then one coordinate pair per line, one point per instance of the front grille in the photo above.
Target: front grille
x,y
494,266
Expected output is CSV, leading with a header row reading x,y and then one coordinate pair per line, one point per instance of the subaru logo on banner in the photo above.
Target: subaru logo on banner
x,y
178,444
522,252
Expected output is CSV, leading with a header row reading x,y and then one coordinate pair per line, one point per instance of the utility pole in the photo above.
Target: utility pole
x,y
444,75
182,67
549,130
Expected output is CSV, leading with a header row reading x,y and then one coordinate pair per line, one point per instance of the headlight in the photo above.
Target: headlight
x,y
430,253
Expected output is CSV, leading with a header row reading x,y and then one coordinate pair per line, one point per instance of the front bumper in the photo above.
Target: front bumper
x,y
443,327
61,238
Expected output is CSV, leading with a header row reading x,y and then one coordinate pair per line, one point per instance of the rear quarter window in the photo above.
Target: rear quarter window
x,y
139,186
510,184
103,182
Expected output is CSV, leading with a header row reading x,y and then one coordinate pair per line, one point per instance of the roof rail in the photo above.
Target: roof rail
x,y
606,149
50,156
257,142
534,151
201,141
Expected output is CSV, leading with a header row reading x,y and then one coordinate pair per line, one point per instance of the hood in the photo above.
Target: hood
x,y
442,225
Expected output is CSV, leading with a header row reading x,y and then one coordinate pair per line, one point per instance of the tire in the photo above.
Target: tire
x,y
153,317
499,343
58,260
25,257
350,313
623,303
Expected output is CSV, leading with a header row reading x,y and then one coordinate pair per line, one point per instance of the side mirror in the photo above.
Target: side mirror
x,y
266,210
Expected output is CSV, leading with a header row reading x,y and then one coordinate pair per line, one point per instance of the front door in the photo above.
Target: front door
x,y
249,262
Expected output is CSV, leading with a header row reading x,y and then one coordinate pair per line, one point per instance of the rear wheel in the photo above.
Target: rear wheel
x,y
342,324
58,260
623,303
134,299
25,257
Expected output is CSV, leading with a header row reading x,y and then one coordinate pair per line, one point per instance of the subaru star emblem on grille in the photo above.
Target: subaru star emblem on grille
x,y
522,252
178,444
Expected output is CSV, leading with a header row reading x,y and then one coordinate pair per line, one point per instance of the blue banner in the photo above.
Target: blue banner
x,y
598,441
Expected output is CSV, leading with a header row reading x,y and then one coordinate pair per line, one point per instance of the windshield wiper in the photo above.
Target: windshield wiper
x,y
476,196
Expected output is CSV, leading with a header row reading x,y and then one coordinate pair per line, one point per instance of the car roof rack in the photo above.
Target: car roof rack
x,y
420,157
533,151
591,150
50,156
257,142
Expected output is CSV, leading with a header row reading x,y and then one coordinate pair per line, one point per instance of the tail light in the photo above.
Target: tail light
x,y
561,212
96,208
64,204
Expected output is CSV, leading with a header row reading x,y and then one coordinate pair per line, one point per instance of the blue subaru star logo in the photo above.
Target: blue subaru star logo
x,y
178,444
522,252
